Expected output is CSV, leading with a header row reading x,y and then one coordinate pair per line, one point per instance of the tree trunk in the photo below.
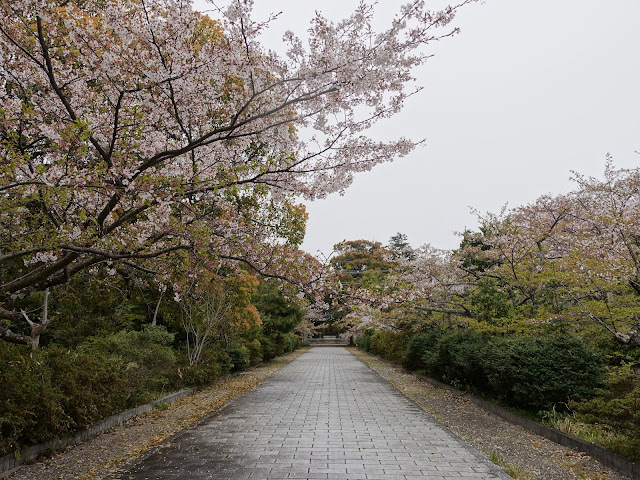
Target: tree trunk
x,y
38,328
155,313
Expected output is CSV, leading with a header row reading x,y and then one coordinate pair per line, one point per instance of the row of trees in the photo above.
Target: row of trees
x,y
566,259
141,137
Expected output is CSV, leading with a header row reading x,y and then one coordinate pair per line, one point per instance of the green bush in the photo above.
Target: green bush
x,y
458,359
417,347
292,342
618,407
55,391
276,344
389,345
532,373
30,409
269,347
255,351
91,386
364,342
147,357
202,374
239,356
214,362
538,372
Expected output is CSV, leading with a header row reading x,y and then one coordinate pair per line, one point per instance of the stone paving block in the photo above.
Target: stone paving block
x,y
307,475
325,415
385,477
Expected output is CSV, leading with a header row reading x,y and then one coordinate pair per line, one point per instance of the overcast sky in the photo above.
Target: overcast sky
x,y
527,92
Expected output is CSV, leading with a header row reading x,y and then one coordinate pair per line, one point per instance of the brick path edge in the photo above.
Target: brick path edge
x,y
465,444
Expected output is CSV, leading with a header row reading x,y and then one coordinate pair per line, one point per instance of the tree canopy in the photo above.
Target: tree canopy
x,y
565,259
133,130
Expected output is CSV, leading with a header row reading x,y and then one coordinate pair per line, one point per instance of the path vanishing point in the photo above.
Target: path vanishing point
x,y
324,415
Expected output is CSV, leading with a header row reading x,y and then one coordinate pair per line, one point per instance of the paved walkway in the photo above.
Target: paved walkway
x,y
325,415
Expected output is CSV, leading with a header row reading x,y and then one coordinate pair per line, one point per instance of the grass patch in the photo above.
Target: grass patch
x,y
599,434
513,471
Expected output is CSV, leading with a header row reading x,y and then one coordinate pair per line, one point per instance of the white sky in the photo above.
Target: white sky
x,y
527,92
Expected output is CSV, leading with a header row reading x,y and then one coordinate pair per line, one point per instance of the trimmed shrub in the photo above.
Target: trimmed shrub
x,y
532,373
214,363
270,347
147,357
617,406
364,342
30,409
536,373
416,347
202,374
276,344
457,358
255,351
91,387
389,345
292,342
54,392
239,356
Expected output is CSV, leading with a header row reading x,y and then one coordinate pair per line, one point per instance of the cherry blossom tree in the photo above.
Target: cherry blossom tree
x,y
516,252
564,259
133,129
602,272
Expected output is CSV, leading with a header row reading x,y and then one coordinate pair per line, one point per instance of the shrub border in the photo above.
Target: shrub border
x,y
11,461
610,459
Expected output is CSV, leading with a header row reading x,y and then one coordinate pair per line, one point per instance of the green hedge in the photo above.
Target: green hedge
x,y
56,391
239,356
618,407
53,392
149,362
532,373
539,372
276,344
550,376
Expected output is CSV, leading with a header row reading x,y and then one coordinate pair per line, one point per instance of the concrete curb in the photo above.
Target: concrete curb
x,y
10,462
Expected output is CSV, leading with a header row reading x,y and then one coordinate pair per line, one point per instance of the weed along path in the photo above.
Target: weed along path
x,y
324,415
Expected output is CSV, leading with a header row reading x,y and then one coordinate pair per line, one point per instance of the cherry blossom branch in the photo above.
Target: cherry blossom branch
x,y
54,84
14,255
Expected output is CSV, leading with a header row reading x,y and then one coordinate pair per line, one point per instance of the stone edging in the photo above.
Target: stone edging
x,y
606,457
11,461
